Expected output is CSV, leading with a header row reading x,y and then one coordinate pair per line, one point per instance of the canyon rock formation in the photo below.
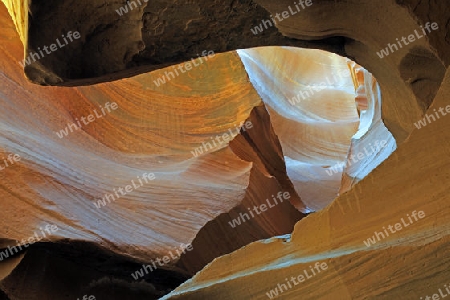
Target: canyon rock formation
x,y
321,156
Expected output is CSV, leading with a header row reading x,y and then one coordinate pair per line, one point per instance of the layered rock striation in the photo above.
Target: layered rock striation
x,y
134,161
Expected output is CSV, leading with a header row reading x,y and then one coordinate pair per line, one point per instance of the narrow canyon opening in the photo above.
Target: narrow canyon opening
x,y
326,111
319,131
308,111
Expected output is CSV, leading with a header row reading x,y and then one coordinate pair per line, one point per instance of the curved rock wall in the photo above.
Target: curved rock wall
x,y
168,126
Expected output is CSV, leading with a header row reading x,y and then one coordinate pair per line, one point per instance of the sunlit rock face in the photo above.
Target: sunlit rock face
x,y
310,96
313,98
149,37
346,244
194,184
373,142
132,170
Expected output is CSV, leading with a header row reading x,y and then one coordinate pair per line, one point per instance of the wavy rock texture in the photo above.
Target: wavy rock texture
x,y
373,142
103,54
313,110
155,129
312,107
408,264
196,195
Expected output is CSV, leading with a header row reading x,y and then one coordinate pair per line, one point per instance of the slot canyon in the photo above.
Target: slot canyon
x,y
233,149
